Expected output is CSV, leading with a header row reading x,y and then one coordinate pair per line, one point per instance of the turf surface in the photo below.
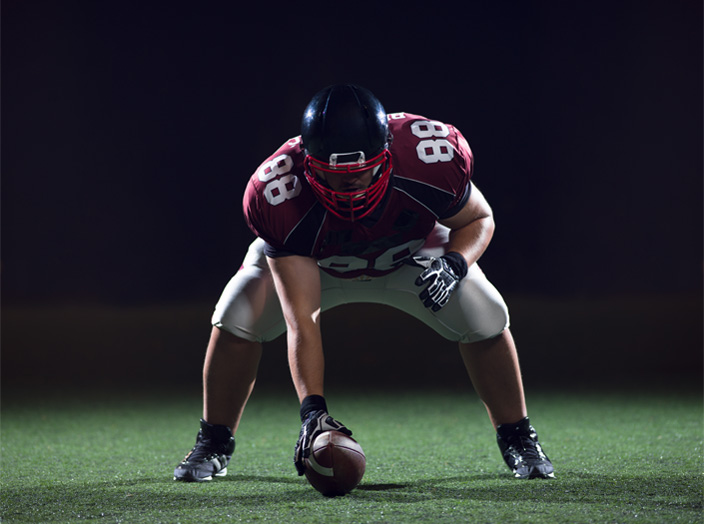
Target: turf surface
x,y
633,457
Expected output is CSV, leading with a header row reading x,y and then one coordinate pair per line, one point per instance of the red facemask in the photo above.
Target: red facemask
x,y
352,205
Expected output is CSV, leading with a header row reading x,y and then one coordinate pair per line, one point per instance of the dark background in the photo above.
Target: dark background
x,y
130,129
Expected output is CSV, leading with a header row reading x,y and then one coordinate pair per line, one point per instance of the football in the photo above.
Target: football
x,y
336,464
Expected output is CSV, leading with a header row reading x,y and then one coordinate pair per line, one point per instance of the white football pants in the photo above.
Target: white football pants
x,y
250,309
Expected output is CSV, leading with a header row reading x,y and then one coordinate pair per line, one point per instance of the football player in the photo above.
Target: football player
x,y
361,207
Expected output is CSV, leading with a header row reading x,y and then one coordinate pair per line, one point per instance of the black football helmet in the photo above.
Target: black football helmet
x,y
345,130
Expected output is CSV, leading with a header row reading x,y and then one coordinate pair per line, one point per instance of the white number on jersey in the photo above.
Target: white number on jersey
x,y
281,189
432,151
386,260
278,190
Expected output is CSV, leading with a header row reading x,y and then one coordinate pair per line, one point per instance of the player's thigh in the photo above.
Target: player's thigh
x,y
476,310
248,306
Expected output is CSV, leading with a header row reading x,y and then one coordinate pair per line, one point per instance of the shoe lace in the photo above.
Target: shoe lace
x,y
204,449
525,447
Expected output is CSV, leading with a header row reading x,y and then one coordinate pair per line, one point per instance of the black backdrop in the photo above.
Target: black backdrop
x,y
130,128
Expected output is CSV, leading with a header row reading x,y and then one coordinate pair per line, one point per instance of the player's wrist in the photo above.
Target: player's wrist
x,y
312,403
457,263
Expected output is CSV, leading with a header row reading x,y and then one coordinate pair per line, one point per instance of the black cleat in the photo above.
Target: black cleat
x,y
209,457
522,452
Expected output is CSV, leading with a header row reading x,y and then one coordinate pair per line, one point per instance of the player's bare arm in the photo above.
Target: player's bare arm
x,y
471,228
297,281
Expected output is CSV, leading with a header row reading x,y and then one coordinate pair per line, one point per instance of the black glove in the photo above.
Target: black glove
x,y
315,422
443,275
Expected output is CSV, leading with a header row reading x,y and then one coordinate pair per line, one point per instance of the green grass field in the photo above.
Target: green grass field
x,y
431,457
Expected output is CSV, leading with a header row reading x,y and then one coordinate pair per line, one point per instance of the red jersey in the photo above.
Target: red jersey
x,y
431,168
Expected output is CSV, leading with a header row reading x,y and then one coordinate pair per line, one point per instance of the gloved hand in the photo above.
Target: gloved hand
x,y
315,423
442,275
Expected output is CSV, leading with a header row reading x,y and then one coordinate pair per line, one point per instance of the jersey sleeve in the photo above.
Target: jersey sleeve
x,y
253,214
433,163
466,168
275,199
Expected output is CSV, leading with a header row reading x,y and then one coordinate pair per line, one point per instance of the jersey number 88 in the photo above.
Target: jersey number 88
x,y
281,185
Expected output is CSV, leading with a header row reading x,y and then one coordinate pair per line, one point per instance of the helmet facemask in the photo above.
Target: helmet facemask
x,y
350,205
